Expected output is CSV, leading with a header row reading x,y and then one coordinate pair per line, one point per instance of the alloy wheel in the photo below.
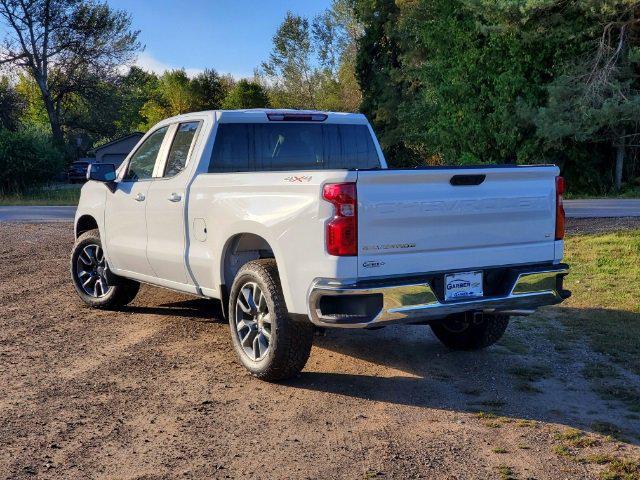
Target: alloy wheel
x,y
91,271
253,321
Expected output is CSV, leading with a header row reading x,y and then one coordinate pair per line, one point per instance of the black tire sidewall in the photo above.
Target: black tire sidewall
x,y
118,295
475,336
291,339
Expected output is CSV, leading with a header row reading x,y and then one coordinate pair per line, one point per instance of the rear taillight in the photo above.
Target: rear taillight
x,y
559,208
342,229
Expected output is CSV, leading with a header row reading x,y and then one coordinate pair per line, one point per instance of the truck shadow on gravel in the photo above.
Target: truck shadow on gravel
x,y
406,365
197,308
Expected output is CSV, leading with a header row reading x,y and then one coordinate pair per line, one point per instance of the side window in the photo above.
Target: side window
x,y
179,151
232,148
142,162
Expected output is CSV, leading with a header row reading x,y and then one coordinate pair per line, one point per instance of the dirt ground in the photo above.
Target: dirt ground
x,y
577,226
154,391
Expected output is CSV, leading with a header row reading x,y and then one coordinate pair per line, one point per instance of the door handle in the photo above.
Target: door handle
x,y
175,197
139,197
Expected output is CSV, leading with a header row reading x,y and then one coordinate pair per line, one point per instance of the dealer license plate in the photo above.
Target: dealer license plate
x,y
462,285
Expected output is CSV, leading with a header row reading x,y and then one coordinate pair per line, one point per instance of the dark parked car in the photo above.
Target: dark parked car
x,y
78,171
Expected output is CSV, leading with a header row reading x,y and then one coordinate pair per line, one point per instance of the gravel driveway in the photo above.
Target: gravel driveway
x,y
154,391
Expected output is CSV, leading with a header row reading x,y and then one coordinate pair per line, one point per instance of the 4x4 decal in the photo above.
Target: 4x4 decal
x,y
298,179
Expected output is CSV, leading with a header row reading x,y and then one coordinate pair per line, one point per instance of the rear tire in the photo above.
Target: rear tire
x,y
466,331
96,286
269,343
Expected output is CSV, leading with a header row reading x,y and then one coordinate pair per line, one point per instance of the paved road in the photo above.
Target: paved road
x,y
37,214
574,209
602,208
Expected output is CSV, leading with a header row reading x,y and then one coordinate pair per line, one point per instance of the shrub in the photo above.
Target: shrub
x,y
27,159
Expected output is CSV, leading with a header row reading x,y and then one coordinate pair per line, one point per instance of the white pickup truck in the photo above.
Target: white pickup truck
x,y
293,220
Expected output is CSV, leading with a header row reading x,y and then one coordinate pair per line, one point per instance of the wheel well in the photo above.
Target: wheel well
x,y
240,249
84,224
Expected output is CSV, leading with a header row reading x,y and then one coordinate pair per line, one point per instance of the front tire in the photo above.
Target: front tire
x,y
96,286
269,343
469,331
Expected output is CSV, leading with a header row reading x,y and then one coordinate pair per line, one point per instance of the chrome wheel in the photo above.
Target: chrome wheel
x,y
253,321
91,270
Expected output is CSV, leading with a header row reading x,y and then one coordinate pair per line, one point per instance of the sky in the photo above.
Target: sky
x,y
232,36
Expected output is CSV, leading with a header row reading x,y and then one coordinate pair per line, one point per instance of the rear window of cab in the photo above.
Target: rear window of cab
x,y
247,147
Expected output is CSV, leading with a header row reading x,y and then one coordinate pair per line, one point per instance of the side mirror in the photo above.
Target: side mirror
x,y
101,172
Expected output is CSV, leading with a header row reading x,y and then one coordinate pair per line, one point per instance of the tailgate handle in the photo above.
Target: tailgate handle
x,y
460,180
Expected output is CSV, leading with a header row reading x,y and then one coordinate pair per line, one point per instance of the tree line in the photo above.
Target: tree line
x,y
506,81
443,81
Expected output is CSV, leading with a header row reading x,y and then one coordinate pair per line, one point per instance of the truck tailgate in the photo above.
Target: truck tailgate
x,y
417,221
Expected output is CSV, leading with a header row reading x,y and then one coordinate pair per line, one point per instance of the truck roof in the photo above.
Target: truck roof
x,y
260,115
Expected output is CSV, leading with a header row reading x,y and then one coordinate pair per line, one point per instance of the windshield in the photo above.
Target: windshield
x,y
242,147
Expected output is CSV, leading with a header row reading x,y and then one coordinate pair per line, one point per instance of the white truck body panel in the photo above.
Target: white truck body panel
x,y
288,215
125,228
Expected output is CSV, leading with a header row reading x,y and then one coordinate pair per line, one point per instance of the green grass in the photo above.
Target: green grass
x,y
526,375
472,391
598,459
54,195
562,450
530,373
486,415
617,468
599,371
605,270
505,472
526,424
605,311
607,428
620,392
575,438
514,344
494,404
605,306
622,469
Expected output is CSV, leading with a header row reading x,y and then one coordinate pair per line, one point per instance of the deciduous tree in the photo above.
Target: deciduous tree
x,y
246,94
209,89
312,64
175,93
290,67
62,43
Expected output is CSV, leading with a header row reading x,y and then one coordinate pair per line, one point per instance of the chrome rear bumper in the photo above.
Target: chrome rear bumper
x,y
417,302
